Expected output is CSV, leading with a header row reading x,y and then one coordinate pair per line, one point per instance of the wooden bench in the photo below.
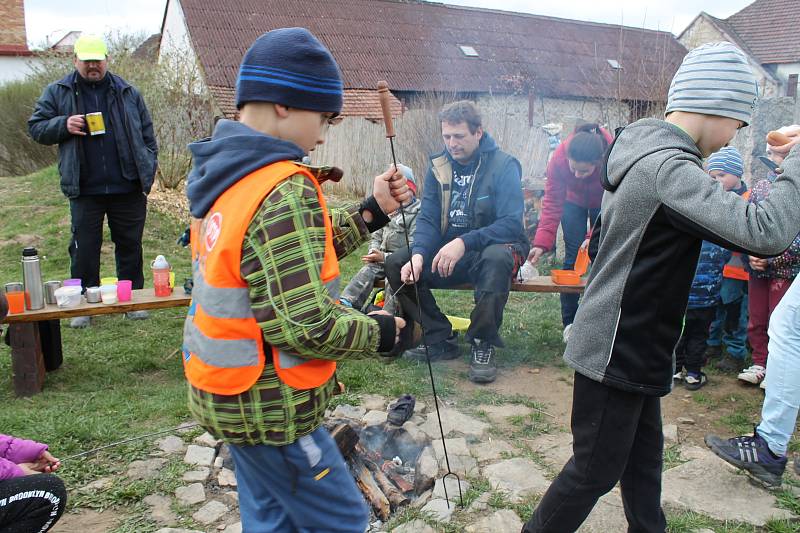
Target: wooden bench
x,y
535,284
26,331
35,333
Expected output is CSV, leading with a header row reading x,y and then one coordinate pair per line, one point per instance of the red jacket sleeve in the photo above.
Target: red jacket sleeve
x,y
555,193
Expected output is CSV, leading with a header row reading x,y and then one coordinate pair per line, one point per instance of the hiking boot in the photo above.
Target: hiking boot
x,y
752,455
694,381
80,322
137,315
754,374
729,364
482,367
441,351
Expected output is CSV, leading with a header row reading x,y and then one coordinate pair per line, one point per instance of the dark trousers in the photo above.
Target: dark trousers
x,y
126,216
490,271
574,223
691,349
617,437
31,504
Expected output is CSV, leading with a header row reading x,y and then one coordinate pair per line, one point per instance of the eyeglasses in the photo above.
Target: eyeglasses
x,y
331,119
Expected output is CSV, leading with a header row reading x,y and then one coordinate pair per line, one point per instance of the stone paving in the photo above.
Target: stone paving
x,y
483,450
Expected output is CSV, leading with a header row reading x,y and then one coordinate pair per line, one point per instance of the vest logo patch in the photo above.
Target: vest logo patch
x,y
213,230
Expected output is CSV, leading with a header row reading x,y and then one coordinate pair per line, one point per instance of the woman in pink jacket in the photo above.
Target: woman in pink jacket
x,y
572,196
31,498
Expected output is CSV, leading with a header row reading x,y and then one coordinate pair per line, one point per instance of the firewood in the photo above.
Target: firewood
x,y
396,498
346,438
369,487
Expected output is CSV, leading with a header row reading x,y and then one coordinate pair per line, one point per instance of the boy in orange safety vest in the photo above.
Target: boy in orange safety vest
x,y
265,328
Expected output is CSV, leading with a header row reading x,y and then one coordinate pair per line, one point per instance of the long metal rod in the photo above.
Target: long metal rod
x,y
427,352
131,439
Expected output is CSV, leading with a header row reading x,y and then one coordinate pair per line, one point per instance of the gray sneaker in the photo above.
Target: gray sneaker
x,y
482,366
137,315
80,322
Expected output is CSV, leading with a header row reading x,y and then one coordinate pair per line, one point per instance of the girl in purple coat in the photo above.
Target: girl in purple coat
x,y
31,498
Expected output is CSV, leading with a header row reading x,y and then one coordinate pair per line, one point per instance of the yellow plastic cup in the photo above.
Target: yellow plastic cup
x,y
171,279
108,281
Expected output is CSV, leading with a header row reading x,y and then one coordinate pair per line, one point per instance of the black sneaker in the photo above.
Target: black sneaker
x,y
482,367
694,381
713,352
752,455
402,410
729,364
441,351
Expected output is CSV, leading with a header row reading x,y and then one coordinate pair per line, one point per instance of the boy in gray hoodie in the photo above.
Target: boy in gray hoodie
x,y
658,207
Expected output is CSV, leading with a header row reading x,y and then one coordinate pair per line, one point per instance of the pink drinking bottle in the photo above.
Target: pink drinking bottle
x,y
161,271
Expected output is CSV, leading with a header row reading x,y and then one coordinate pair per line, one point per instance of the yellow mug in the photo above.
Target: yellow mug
x,y
171,279
95,123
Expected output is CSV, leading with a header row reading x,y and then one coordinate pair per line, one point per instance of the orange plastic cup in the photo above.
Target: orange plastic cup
x,y
16,301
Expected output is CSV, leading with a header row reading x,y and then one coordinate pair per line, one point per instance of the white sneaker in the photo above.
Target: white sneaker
x,y
567,329
754,375
678,376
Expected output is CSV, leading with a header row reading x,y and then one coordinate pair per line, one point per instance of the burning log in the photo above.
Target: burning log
x,y
370,489
395,497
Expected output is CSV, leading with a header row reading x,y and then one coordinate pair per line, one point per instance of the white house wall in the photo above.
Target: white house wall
x,y
14,68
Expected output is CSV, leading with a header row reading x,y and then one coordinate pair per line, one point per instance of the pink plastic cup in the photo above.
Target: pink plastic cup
x,y
124,290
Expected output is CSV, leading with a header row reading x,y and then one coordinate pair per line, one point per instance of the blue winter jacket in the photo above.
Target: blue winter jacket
x,y
136,142
705,290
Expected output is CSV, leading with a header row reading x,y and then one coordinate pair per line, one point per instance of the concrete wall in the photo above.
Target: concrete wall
x,y
770,114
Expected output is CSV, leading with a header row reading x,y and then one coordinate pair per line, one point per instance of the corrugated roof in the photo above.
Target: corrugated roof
x,y
357,103
415,46
770,30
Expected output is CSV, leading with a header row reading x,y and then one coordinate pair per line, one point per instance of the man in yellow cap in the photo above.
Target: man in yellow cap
x,y
107,160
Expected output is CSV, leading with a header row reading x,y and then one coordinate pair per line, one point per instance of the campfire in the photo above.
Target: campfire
x,y
392,465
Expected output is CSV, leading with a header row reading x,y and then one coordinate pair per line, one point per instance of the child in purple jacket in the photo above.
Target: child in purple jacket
x,y
31,498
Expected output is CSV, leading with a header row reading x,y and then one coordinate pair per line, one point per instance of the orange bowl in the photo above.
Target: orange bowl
x,y
565,277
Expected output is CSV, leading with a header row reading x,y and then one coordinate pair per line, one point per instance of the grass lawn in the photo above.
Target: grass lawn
x,y
124,378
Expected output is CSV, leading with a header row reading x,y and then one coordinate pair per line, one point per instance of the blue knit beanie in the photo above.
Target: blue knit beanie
x,y
727,160
289,66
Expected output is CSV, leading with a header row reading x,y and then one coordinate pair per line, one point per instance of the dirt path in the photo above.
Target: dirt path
x,y
722,406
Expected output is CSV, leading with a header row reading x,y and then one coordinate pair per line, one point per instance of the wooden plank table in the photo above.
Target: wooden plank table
x,y
33,333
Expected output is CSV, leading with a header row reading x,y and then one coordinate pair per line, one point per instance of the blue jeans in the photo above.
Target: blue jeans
x,y
304,487
732,292
574,225
779,412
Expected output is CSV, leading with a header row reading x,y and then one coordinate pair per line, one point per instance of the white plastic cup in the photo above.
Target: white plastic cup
x,y
108,294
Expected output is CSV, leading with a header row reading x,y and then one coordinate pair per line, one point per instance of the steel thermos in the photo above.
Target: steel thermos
x,y
32,279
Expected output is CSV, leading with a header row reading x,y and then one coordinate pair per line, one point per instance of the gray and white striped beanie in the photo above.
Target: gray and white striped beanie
x,y
714,79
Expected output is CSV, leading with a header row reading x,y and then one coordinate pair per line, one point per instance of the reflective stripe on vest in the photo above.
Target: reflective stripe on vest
x,y
224,348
